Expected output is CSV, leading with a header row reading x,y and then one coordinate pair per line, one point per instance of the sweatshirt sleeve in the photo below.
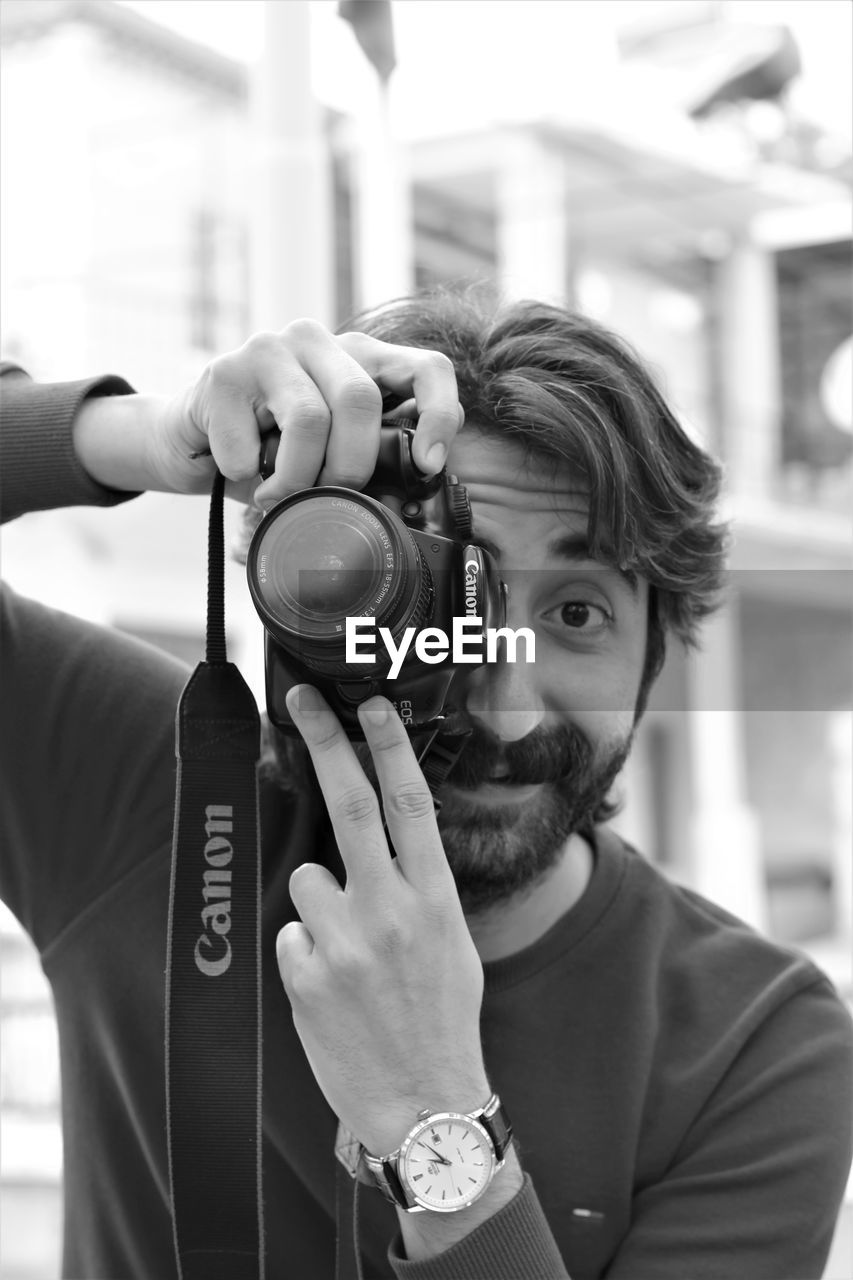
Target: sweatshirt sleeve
x,y
515,1244
39,469
86,735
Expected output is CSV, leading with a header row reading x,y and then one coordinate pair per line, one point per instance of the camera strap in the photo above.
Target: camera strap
x,y
213,967
439,756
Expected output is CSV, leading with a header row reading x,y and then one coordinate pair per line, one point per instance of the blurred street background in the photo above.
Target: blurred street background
x,y
176,176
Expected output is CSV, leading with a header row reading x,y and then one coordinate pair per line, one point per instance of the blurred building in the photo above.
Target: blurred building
x,y
726,261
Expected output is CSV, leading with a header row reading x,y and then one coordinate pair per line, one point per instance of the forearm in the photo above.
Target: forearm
x,y
113,439
95,442
39,465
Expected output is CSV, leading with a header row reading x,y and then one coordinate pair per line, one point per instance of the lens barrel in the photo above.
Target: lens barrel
x,y
328,554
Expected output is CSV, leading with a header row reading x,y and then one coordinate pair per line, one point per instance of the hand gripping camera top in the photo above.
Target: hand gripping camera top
x,y
398,556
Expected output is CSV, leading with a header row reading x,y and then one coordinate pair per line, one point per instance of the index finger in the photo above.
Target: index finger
x,y
425,375
406,798
350,799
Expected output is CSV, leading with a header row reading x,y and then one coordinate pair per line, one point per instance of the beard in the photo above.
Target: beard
x,y
498,851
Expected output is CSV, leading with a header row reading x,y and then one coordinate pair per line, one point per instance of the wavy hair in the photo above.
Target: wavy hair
x,y
570,391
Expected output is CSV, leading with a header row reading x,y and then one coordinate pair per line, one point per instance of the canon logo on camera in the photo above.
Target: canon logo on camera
x,y
472,570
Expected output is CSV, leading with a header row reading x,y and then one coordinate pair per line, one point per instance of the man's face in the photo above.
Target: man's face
x,y
550,736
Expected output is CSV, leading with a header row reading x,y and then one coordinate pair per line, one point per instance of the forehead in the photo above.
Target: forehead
x,y
520,505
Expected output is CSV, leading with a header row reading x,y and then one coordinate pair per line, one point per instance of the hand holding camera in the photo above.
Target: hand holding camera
x,y
323,392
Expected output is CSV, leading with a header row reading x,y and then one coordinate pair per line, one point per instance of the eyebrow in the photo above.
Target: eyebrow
x,y
573,548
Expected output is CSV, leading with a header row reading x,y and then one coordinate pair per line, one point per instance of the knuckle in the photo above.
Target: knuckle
x,y
305,413
235,453
411,800
262,344
222,370
231,438
344,960
393,739
304,329
453,415
438,362
359,395
354,341
445,418
357,806
325,736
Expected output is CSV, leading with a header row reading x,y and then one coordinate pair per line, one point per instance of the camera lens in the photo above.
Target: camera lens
x,y
328,554
322,567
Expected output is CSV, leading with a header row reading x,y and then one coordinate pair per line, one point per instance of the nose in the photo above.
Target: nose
x,y
503,697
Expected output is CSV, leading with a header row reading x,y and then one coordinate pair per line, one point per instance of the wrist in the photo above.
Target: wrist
x,y
113,437
383,1133
425,1235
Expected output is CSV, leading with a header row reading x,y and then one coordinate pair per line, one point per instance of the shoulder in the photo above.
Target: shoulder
x,y
707,967
29,626
77,689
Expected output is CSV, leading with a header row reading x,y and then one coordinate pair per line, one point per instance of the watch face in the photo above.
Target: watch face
x,y
447,1163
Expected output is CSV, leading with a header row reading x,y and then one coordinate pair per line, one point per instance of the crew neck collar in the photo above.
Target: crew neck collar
x,y
608,869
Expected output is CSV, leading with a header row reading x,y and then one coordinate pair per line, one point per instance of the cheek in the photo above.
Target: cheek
x,y
591,689
606,728
603,726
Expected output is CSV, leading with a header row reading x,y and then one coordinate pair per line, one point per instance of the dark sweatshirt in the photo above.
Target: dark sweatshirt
x,y
679,1085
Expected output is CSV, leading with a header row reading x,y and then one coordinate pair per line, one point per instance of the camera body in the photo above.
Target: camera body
x,y
398,556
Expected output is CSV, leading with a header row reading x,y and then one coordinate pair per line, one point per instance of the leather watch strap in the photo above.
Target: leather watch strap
x,y
389,1184
497,1124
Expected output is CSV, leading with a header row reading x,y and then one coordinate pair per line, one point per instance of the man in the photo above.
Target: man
x,y
675,1083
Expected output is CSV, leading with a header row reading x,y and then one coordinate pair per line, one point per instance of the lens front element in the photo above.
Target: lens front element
x,y
320,567
328,554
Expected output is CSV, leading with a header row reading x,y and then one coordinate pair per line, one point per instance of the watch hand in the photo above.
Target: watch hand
x,y
440,1159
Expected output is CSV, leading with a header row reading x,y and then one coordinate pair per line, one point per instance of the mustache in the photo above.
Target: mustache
x,y
557,754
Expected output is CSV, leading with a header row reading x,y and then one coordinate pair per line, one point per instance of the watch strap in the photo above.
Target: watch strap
x,y
384,1176
497,1124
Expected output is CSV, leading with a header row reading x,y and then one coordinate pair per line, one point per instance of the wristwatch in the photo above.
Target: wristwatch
x,y
446,1160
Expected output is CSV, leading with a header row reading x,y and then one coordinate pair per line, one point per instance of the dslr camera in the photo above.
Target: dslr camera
x,y
399,555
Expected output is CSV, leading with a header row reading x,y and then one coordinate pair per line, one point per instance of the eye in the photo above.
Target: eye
x,y
580,616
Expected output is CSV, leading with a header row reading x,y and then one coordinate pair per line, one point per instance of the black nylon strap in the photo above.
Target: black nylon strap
x,y
213,980
438,758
